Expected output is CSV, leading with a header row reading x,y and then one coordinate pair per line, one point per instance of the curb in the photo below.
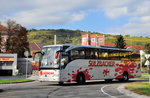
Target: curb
x,y
122,90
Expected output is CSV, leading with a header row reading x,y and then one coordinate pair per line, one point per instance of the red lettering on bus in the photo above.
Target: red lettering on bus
x,y
102,63
90,63
46,73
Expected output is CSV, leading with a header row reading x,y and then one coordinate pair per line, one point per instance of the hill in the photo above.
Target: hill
x,y
65,36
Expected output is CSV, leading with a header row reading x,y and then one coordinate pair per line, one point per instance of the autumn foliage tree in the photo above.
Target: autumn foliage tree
x,y
0,42
17,39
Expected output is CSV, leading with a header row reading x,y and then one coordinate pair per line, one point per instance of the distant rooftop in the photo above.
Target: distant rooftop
x,y
36,46
3,28
141,47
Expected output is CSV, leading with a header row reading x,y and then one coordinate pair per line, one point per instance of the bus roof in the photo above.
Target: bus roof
x,y
60,45
76,46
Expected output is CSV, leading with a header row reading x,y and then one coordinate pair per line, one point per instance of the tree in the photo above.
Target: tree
x,y
120,42
0,41
147,48
127,35
17,39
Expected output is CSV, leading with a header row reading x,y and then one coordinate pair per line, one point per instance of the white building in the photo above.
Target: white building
x,y
8,64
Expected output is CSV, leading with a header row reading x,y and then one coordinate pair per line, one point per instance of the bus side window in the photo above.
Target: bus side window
x,y
96,54
113,54
74,54
124,55
90,53
81,54
78,53
134,55
65,59
103,54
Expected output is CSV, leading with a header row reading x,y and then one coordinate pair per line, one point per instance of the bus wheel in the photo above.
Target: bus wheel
x,y
60,83
80,78
125,76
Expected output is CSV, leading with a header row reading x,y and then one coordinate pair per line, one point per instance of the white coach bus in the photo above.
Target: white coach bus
x,y
68,63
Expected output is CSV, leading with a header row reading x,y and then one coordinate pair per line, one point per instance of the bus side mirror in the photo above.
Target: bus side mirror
x,y
56,55
37,53
34,56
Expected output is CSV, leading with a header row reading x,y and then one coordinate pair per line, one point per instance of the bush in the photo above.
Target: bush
x,y
144,70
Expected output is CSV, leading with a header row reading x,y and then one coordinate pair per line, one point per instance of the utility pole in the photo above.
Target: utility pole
x,y
55,40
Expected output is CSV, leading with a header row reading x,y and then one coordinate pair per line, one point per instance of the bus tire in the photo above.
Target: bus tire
x,y
125,76
80,78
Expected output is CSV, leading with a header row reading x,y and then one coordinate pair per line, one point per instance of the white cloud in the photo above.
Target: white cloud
x,y
114,3
78,16
138,12
37,12
131,29
145,19
116,12
31,13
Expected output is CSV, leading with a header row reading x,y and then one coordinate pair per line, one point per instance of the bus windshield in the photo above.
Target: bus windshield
x,y
48,58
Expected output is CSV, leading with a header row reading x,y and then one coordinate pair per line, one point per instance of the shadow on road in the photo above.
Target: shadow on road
x,y
98,82
1,90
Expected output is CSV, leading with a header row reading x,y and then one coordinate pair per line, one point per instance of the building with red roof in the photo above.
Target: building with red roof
x,y
3,28
35,47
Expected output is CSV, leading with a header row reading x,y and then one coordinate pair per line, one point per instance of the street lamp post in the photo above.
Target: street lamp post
x,y
26,53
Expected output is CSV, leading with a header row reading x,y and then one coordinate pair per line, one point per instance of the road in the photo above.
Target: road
x,y
96,89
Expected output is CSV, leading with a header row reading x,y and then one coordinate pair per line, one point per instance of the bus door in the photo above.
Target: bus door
x,y
64,60
36,62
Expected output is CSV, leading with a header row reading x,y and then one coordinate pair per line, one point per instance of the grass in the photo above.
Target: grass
x,y
145,74
139,87
143,77
14,80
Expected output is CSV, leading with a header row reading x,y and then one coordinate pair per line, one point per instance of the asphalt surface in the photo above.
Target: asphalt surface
x,y
94,89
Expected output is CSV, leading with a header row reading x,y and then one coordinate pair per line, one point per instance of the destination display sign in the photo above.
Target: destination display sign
x,y
6,58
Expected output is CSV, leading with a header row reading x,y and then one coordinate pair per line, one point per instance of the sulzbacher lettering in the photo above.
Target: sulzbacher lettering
x,y
101,63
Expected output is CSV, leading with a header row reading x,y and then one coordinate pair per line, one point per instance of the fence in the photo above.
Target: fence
x,y
21,65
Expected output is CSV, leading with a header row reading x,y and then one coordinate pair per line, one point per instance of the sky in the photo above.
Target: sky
x,y
125,17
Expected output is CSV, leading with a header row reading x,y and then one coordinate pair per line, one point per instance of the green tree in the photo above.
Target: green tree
x,y
120,42
17,39
147,48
